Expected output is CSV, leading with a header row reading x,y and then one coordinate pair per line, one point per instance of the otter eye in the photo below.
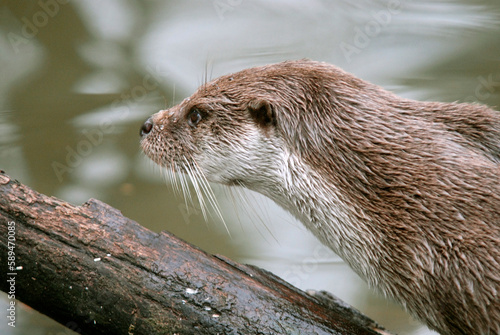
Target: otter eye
x,y
194,117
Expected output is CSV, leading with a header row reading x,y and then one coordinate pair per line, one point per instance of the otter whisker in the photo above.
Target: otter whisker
x,y
167,178
172,179
186,192
251,211
175,176
192,175
212,199
156,168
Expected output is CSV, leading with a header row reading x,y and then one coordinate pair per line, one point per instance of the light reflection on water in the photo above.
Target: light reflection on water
x,y
76,87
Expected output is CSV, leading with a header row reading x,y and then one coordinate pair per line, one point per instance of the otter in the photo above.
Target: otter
x,y
406,192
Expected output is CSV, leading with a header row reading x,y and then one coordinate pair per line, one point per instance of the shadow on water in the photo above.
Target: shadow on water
x,y
78,79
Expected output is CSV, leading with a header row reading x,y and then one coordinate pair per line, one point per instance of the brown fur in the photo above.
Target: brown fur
x,y
419,181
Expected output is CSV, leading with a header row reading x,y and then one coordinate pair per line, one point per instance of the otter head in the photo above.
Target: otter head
x,y
222,132
243,128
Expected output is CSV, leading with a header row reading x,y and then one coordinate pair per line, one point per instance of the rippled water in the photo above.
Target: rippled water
x,y
77,80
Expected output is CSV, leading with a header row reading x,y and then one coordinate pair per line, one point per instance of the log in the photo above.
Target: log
x,y
91,268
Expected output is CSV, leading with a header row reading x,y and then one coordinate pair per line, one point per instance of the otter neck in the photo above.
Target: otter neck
x,y
322,209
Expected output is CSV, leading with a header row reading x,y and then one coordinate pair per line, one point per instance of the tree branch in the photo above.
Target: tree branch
x,y
91,268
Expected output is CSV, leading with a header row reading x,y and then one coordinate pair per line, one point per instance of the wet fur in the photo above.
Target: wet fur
x,y
406,192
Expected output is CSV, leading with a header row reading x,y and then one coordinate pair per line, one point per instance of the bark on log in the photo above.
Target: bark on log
x,y
100,273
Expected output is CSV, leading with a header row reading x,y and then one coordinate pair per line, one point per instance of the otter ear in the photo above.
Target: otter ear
x,y
262,112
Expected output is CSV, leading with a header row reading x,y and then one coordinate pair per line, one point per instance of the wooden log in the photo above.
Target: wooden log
x,y
92,268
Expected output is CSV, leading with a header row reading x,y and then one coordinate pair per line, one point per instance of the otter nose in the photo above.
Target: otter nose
x,y
146,127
